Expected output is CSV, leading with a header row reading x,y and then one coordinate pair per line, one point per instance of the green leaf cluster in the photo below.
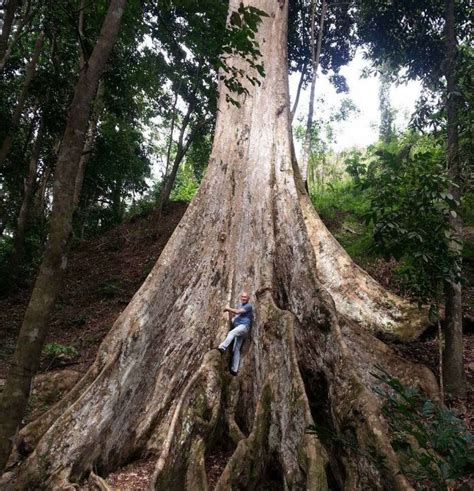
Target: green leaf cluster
x,y
436,447
407,185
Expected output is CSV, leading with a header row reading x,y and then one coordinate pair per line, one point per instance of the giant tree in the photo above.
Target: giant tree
x,y
157,387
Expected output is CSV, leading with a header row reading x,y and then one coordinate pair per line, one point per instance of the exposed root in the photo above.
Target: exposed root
x,y
195,416
97,483
357,296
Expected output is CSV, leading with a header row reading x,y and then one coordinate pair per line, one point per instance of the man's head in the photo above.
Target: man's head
x,y
244,297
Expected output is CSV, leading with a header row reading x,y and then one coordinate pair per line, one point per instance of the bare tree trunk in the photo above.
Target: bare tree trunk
x,y
156,389
89,142
24,214
315,55
182,149
298,93
454,378
14,397
21,29
10,9
40,196
30,71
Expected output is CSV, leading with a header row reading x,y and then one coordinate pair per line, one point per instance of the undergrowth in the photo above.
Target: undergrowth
x,y
343,208
436,447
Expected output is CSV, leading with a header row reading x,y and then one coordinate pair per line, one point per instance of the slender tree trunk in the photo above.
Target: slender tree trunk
x,y
315,55
182,149
156,388
24,214
173,122
14,398
9,16
298,92
454,378
3,195
303,68
30,72
89,142
386,129
8,44
40,196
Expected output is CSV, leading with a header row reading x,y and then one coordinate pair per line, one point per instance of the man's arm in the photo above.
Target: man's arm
x,y
234,311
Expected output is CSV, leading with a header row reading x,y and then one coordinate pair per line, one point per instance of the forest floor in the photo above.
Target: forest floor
x,y
103,275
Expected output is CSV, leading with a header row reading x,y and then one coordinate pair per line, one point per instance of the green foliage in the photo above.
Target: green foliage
x,y
338,41
467,208
186,185
110,288
355,165
435,444
57,350
343,208
409,203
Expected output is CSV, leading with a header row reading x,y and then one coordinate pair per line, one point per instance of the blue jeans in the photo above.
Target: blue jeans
x,y
238,333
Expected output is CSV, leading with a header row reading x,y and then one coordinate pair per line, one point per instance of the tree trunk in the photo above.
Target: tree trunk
x,y
30,71
298,93
33,331
315,55
7,44
182,149
454,379
10,9
24,214
155,386
89,142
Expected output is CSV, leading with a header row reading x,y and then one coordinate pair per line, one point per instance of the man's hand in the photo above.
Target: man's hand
x,y
227,309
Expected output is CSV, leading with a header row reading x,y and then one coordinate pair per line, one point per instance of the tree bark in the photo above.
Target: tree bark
x,y
89,142
8,45
454,377
33,331
24,213
315,55
30,72
155,386
10,9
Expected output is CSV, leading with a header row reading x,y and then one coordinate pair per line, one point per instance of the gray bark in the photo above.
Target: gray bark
x,y
453,375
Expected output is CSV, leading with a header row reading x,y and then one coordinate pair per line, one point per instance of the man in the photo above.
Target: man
x,y
242,323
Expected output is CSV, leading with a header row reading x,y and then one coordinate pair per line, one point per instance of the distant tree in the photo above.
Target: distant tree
x,y
386,128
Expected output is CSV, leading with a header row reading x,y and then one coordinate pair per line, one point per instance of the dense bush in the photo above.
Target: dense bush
x,y
409,204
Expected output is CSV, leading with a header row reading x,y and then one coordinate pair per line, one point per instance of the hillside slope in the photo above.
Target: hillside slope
x,y
102,276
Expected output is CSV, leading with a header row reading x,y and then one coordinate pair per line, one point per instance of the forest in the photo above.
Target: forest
x,y
236,245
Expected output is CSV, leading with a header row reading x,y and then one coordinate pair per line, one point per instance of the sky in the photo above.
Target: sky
x,y
362,128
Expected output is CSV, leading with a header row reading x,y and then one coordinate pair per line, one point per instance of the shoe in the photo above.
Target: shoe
x,y
233,373
221,350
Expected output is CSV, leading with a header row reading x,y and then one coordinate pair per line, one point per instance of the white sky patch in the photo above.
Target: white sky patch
x,y
360,129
